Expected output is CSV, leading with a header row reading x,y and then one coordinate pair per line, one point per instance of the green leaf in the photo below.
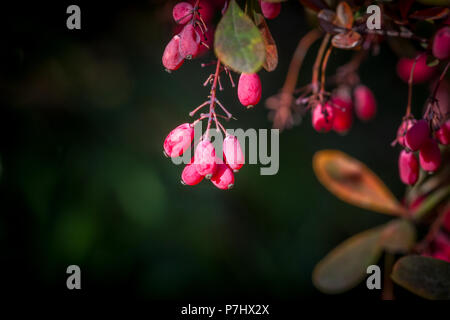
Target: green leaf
x,y
346,265
238,42
398,236
424,276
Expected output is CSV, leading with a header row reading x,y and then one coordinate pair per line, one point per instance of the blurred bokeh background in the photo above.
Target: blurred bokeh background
x,y
83,116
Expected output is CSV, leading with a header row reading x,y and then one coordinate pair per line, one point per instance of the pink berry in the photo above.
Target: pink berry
x,y
408,167
417,135
205,158
172,59
322,117
178,140
232,153
430,156
182,12
401,132
443,134
365,104
343,117
249,89
270,10
189,42
190,176
441,44
223,178
422,72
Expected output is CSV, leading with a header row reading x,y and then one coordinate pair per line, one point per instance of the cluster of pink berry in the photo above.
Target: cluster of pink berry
x,y
423,136
337,113
193,35
205,163
416,135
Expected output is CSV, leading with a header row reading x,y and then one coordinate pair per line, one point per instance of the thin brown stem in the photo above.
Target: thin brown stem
x,y
316,67
410,84
213,97
436,88
297,59
324,67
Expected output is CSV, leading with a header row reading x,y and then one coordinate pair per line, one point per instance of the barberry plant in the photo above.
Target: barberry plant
x,y
243,44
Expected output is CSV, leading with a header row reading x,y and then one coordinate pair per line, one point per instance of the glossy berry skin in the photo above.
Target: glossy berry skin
x,y
205,159
322,117
443,134
172,59
422,72
232,153
401,132
417,135
178,140
430,156
249,89
189,42
223,178
270,10
190,176
441,44
408,167
343,116
365,103
182,12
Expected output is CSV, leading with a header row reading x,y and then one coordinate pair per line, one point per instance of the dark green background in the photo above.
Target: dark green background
x,y
83,117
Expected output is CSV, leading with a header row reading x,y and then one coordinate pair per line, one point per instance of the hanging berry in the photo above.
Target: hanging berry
x,y
232,153
249,89
322,117
365,104
408,167
179,140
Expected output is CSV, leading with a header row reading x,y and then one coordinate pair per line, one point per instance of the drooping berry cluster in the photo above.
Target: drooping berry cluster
x,y
337,113
192,38
205,164
187,44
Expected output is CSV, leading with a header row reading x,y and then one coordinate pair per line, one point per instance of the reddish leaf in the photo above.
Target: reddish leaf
x,y
271,61
344,15
347,40
327,19
351,181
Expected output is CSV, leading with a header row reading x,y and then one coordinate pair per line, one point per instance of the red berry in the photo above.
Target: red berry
x,y
223,178
422,72
178,140
365,104
343,117
441,44
189,42
205,158
322,117
232,153
249,89
190,176
443,134
270,10
182,12
401,132
417,135
172,59
408,167
430,156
